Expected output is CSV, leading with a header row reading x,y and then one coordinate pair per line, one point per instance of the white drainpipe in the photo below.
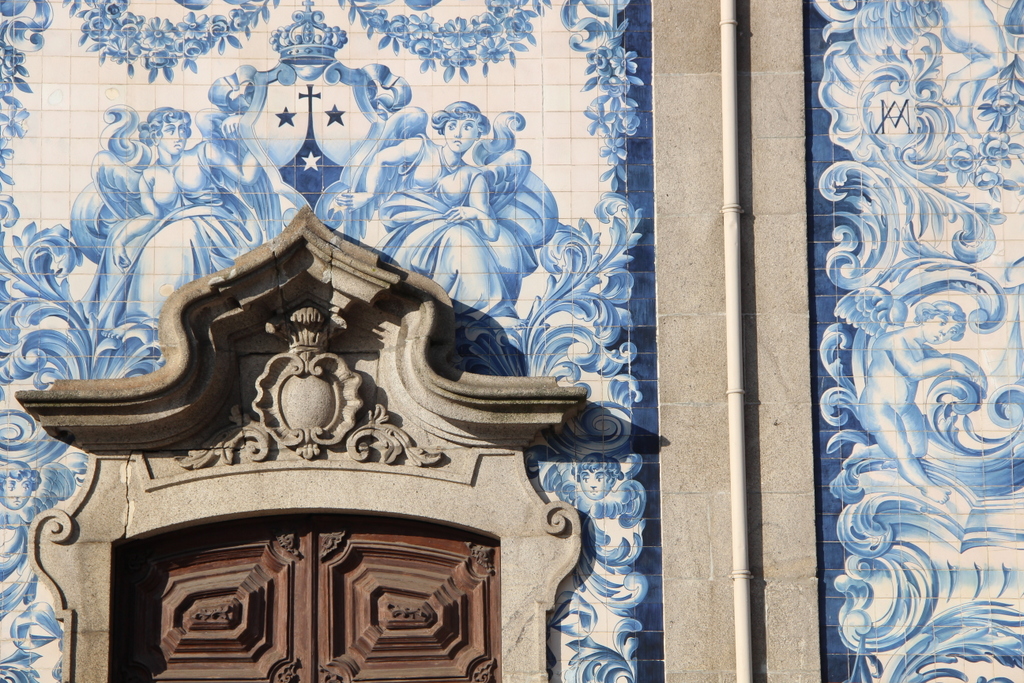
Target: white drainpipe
x,y
731,211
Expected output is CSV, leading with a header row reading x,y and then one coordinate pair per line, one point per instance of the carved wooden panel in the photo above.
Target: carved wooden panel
x,y
210,604
322,599
406,605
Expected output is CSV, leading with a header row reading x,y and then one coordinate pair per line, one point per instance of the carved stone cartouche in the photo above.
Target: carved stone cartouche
x,y
307,397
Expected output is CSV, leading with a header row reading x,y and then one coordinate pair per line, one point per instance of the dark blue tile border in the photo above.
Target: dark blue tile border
x,y
821,153
645,442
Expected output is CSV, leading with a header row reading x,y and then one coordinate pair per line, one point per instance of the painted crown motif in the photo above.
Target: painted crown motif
x,y
308,40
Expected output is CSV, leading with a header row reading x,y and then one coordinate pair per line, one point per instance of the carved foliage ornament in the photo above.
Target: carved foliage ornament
x,y
244,441
389,440
288,672
289,543
330,542
482,557
219,616
484,671
308,398
328,676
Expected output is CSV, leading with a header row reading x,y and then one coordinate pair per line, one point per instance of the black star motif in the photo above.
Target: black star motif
x,y
334,116
286,117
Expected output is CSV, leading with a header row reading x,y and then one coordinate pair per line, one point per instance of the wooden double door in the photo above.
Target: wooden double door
x,y
308,599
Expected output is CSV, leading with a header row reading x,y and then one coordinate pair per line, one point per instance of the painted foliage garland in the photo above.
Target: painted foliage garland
x,y
123,37
459,44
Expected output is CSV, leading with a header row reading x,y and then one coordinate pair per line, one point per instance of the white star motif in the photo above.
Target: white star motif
x,y
310,160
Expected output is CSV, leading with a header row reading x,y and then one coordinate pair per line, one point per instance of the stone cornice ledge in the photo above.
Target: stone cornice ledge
x,y
201,324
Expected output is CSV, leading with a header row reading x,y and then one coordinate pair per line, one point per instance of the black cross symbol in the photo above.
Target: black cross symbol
x,y
309,95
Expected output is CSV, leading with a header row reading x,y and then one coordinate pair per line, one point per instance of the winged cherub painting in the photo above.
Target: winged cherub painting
x,y
898,356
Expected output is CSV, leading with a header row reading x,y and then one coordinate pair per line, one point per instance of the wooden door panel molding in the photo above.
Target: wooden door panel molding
x,y
310,378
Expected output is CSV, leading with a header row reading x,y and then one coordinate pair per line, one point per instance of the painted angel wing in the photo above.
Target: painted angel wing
x,y
873,310
223,155
113,196
407,124
58,483
60,480
1014,21
519,196
632,499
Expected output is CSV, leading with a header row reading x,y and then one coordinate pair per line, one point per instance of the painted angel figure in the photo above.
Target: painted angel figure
x,y
474,228
159,213
971,29
896,359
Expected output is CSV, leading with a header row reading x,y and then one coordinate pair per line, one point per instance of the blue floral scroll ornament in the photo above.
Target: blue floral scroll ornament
x,y
22,24
598,30
578,330
925,104
458,44
125,38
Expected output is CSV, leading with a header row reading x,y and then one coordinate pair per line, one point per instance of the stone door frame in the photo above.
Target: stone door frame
x,y
181,447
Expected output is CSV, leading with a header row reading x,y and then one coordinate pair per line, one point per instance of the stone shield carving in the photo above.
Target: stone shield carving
x,y
307,397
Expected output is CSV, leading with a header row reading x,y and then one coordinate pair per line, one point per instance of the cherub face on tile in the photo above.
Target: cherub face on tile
x,y
19,483
597,477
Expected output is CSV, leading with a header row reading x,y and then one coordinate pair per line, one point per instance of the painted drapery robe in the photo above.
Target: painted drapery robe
x,y
473,227
208,203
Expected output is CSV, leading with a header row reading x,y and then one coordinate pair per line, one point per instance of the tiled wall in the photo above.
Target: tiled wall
x,y
917,159
145,143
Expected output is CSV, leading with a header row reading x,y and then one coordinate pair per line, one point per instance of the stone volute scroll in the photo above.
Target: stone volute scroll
x,y
310,377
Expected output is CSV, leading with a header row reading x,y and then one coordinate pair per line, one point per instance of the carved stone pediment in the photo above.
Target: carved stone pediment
x,y
308,349
301,381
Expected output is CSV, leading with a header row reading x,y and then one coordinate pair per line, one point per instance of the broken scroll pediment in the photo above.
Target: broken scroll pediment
x,y
308,352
